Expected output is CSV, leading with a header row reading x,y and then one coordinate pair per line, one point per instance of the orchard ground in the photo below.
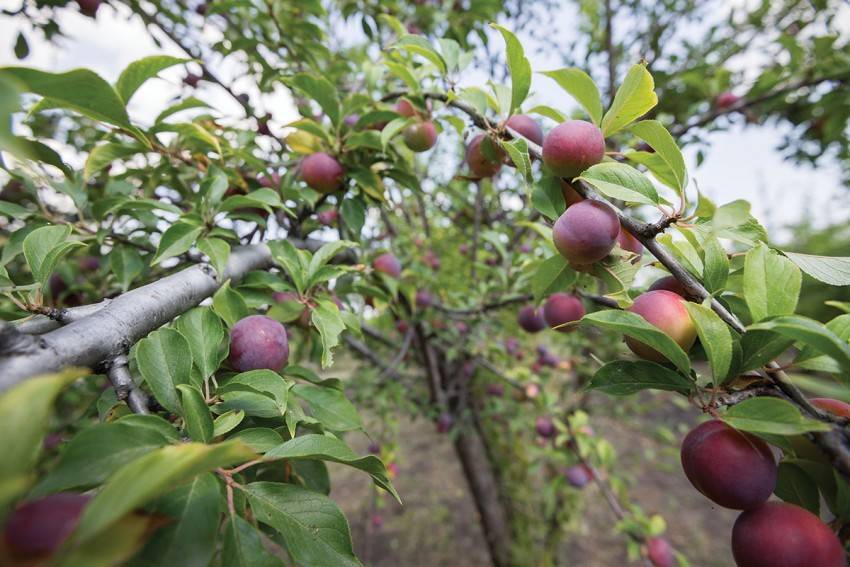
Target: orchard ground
x,y
438,523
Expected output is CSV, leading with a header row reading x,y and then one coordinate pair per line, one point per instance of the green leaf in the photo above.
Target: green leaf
x,y
321,90
205,333
22,48
553,274
176,240
715,337
794,485
760,347
226,422
321,447
313,529
832,270
218,251
260,439
656,135
196,413
114,547
621,181
43,248
145,478
517,150
841,327
715,264
229,304
329,323
624,377
127,265
771,416
812,333
293,261
656,166
95,453
165,361
190,539
26,409
392,129
243,546
548,198
518,66
137,72
330,407
581,87
263,381
638,328
635,97
771,283
81,90
353,211
326,253
420,46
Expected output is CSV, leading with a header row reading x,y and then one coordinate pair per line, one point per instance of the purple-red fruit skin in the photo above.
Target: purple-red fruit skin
x,y
420,137
531,319
444,422
322,172
388,264
779,534
628,242
258,342
669,283
572,147
479,164
659,552
586,232
665,310
734,469
423,299
38,528
562,308
578,476
544,427
527,126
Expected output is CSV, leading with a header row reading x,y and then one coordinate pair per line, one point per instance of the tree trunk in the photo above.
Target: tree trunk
x,y
483,483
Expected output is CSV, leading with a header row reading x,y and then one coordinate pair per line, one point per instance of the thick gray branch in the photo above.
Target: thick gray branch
x,y
108,333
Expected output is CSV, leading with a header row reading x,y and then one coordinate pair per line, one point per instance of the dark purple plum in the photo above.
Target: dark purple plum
x,y
734,469
38,528
586,232
544,427
572,147
779,534
258,342
531,320
561,309
659,552
322,172
527,126
665,310
388,264
480,147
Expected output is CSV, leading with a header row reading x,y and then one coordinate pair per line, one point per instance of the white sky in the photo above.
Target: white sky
x,y
741,163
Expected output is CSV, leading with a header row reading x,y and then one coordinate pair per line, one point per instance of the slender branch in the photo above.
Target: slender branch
x,y
118,373
363,350
405,346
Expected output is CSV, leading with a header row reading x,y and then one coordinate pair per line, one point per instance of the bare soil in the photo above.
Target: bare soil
x,y
438,524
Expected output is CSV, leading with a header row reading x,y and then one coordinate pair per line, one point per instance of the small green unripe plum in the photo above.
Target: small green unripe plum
x,y
388,264
561,309
572,147
733,468
586,232
531,319
527,126
833,406
37,529
667,311
258,342
477,158
571,196
420,137
779,534
659,552
322,172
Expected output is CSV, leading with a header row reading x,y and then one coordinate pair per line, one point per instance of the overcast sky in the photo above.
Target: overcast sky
x,y
741,163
